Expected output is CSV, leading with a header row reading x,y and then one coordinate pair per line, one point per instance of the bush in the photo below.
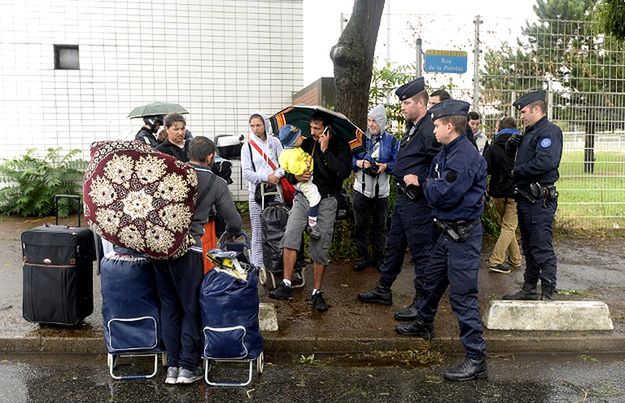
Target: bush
x,y
30,183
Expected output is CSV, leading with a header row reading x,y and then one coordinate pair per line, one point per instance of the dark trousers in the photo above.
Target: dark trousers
x,y
456,265
178,282
536,224
375,211
412,228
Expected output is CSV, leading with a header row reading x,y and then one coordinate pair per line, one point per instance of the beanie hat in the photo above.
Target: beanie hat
x,y
288,134
379,115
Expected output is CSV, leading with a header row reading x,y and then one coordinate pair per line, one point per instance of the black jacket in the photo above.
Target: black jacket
x,y
169,148
417,150
331,167
146,135
500,165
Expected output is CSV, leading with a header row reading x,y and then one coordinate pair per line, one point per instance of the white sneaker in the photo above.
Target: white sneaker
x,y
186,377
172,375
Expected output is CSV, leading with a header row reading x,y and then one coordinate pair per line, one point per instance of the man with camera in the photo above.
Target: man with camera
x,y
535,172
371,189
411,222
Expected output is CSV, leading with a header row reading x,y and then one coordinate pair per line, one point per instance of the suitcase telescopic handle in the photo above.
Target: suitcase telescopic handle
x,y
56,205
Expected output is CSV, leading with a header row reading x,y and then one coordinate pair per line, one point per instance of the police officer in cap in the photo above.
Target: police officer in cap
x,y
411,222
455,189
147,133
535,173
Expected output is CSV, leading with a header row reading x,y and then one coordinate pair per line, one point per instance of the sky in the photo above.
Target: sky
x,y
322,27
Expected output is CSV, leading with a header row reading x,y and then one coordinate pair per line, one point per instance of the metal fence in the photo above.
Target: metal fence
x,y
583,72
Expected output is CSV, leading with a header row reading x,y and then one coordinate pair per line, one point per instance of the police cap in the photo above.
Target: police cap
x,y
451,107
529,98
410,89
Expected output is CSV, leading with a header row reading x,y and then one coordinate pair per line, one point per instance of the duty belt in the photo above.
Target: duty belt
x,y
535,192
460,230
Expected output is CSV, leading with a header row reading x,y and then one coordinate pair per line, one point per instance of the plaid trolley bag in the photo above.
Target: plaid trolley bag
x,y
130,310
229,305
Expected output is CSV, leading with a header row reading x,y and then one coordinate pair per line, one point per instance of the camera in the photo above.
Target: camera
x,y
372,170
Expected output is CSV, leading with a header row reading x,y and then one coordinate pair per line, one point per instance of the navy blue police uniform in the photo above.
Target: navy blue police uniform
x,y
535,173
455,188
411,222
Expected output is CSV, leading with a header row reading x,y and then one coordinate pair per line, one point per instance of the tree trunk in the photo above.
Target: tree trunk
x,y
353,60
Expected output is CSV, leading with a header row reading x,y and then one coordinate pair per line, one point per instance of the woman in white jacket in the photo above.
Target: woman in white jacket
x,y
256,170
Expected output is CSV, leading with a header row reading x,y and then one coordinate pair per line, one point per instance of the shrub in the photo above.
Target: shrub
x,y
30,183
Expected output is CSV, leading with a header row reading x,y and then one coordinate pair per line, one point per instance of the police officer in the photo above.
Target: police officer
x,y
455,189
147,133
411,222
535,172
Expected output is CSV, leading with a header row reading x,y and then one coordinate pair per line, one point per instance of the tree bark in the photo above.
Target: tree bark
x,y
353,60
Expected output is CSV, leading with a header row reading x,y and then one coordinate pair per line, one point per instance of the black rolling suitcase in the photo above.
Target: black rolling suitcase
x,y
58,272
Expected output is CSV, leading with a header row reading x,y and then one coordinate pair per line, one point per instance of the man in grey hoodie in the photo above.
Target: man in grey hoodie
x,y
179,280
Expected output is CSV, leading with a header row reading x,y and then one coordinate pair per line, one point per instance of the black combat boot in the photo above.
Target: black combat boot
x,y
410,312
469,369
528,292
360,266
379,295
416,328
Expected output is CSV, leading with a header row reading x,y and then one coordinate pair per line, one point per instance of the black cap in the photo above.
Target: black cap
x,y
451,107
410,89
529,98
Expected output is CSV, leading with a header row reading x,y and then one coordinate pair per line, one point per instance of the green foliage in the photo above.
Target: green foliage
x,y
491,219
30,183
383,83
611,17
242,206
563,47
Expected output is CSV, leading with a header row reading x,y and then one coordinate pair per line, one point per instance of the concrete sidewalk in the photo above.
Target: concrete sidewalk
x,y
588,270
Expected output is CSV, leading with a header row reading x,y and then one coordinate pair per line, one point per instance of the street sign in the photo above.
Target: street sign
x,y
445,61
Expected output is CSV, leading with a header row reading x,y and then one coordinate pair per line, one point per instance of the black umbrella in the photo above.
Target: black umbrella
x,y
299,115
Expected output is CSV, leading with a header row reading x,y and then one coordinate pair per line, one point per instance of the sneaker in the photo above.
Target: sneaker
x,y
501,268
186,376
361,265
282,292
514,266
172,375
314,232
318,302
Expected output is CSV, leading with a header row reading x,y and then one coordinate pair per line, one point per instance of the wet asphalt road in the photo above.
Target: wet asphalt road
x,y
531,378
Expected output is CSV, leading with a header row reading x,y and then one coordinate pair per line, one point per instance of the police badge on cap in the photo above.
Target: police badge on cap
x,y
529,98
450,107
410,89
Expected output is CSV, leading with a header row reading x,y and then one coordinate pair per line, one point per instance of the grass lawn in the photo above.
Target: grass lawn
x,y
594,200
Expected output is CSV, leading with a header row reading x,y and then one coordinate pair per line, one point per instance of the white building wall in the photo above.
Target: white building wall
x,y
220,59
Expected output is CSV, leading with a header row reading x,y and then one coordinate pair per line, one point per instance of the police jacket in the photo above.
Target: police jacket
x,y
331,167
457,182
500,163
416,150
382,149
181,154
539,154
145,135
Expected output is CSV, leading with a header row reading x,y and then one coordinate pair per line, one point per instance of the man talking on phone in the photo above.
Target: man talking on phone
x,y
331,166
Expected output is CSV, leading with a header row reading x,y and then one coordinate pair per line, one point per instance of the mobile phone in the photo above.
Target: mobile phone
x,y
325,131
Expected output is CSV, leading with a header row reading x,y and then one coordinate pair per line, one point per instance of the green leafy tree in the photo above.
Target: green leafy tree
x,y
611,17
564,53
30,183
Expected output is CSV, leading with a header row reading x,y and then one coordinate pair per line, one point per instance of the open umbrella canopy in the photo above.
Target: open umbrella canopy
x,y
299,115
156,108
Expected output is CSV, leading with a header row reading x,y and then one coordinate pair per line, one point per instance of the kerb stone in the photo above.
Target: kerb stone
x,y
548,315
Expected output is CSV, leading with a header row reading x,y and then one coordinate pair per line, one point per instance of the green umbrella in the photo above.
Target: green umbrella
x,y
300,115
156,108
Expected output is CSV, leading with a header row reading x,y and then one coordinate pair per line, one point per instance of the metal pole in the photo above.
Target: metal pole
x,y
388,32
342,22
419,59
476,63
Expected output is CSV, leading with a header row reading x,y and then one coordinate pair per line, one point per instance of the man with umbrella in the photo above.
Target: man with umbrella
x,y
153,115
331,165
411,222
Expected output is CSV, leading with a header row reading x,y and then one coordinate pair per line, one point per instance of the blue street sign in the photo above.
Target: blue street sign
x,y
445,61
